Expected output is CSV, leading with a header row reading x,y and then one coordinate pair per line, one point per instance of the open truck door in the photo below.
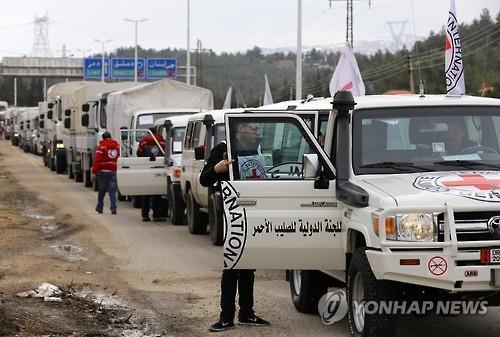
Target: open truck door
x,y
280,208
140,175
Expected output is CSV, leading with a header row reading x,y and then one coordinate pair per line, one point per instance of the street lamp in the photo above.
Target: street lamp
x,y
102,58
83,51
135,56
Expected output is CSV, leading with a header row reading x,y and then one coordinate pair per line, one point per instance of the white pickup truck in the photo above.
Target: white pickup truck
x,y
401,203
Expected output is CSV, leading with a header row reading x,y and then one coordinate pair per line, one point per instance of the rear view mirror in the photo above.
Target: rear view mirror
x,y
49,114
67,112
85,120
310,166
199,152
67,123
85,107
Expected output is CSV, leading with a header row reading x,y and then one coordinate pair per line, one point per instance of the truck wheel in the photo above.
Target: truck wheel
x,y
176,208
137,202
60,165
307,287
87,179
362,286
196,220
215,222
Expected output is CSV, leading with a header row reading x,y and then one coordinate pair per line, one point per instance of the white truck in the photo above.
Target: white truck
x,y
57,103
205,130
392,205
173,130
93,119
131,112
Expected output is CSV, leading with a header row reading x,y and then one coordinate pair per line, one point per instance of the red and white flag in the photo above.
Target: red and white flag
x,y
454,65
347,76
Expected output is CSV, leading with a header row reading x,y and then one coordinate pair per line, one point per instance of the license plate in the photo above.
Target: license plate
x,y
495,255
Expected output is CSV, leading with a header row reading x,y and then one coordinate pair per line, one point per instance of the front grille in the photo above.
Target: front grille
x,y
471,226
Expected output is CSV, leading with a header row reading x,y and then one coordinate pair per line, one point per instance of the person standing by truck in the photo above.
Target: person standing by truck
x,y
148,147
216,170
104,168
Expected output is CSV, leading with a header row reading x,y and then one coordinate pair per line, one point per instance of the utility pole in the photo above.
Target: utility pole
x,y
136,22
199,59
298,71
102,56
410,70
188,51
15,91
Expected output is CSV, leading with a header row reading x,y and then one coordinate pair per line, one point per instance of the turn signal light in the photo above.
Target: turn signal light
x,y
485,256
390,224
409,262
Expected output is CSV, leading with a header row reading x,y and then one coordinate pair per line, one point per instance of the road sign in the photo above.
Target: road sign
x,y
123,67
92,68
159,68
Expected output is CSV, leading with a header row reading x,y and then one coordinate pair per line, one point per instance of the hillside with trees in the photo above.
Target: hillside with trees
x,y
382,71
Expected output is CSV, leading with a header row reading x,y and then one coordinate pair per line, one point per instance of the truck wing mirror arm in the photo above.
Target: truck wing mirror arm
x,y
351,194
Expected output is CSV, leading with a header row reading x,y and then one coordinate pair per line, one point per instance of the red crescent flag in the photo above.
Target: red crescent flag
x,y
454,66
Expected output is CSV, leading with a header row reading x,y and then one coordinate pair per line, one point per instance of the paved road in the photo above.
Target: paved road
x,y
160,259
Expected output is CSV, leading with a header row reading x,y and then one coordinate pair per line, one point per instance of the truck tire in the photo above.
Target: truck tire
x,y
87,178
215,222
196,220
307,287
176,208
60,165
363,286
137,201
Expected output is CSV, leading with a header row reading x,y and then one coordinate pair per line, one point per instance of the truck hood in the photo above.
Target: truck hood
x,y
436,188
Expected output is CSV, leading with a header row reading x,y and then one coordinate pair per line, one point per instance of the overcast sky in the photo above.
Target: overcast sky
x,y
222,25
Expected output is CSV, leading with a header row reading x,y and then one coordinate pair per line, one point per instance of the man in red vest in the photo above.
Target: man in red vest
x,y
104,168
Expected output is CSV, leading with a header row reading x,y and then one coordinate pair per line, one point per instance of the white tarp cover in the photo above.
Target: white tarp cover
x,y
164,94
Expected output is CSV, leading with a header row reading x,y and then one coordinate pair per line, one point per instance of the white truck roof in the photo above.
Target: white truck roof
x,y
177,121
374,101
164,94
218,115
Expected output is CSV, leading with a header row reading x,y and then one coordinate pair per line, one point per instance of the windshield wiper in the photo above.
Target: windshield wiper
x,y
465,163
399,165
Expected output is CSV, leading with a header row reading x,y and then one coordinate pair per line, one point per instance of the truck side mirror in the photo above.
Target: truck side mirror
x,y
49,114
199,152
50,105
310,166
67,112
86,107
85,120
67,123
42,124
42,116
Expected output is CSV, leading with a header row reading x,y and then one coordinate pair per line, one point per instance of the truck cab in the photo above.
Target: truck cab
x,y
401,202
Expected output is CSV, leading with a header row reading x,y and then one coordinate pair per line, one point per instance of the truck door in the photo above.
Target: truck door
x,y
141,175
277,215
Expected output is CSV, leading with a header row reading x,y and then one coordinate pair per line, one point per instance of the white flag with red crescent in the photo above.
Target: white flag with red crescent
x,y
454,65
347,76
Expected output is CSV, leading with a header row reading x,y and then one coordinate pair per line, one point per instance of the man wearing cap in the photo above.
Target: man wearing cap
x,y
104,168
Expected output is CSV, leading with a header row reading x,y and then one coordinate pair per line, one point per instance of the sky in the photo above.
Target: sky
x,y
221,25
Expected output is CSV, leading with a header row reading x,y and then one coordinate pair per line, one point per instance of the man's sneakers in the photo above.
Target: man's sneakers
x,y
113,212
221,326
98,210
253,320
146,219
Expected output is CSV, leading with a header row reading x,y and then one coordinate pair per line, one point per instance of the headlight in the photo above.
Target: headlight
x,y
60,146
416,227
16,134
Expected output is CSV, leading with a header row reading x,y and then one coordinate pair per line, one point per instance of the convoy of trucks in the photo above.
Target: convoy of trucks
x,y
372,193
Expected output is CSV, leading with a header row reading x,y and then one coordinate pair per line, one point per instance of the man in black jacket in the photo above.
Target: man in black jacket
x,y
217,169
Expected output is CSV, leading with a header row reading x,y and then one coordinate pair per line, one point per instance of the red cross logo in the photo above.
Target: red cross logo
x,y
254,174
476,180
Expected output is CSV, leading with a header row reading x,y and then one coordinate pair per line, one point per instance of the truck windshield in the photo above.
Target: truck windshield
x,y
177,138
146,121
2,108
426,138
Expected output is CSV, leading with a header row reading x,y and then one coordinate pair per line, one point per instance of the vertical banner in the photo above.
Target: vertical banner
x,y
454,66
